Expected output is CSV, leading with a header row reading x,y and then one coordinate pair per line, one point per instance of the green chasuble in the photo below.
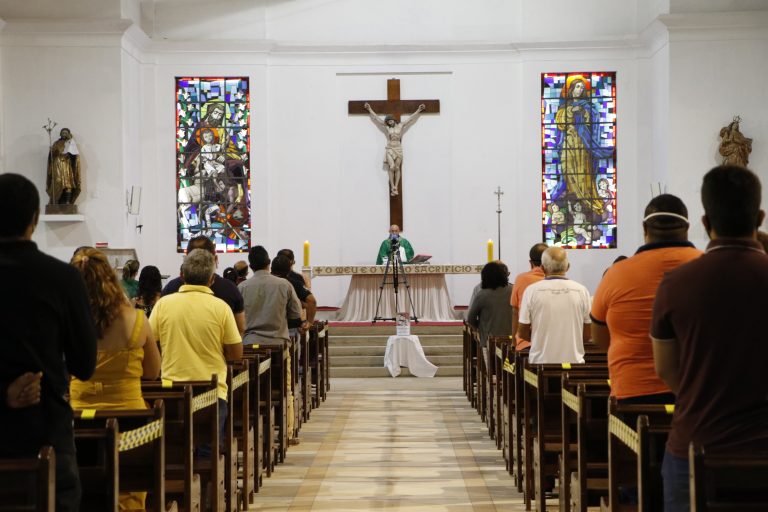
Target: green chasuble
x,y
384,251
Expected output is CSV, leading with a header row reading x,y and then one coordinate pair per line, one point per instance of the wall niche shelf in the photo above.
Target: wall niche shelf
x,y
77,217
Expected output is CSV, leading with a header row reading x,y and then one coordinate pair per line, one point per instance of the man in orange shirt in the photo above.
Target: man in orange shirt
x,y
522,281
623,302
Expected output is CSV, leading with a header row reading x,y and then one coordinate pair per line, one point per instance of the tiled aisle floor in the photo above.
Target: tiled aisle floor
x,y
392,444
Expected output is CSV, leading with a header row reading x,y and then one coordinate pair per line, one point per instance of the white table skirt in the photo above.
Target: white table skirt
x,y
407,351
429,293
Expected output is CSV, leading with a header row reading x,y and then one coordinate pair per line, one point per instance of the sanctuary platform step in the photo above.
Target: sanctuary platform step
x,y
357,349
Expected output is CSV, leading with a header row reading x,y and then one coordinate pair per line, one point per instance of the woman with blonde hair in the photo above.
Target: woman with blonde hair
x,y
126,350
129,282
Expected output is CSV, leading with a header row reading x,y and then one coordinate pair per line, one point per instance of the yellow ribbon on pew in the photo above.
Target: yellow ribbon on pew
x,y
566,366
509,368
670,408
609,382
140,436
88,414
167,383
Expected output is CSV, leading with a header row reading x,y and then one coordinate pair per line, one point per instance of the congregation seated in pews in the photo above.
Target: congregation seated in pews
x,y
612,405
219,417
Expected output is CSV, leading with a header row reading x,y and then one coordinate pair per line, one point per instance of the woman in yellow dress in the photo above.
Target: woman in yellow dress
x,y
126,350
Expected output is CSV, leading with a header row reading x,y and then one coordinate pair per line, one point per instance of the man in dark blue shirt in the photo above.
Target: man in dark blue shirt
x,y
222,288
48,335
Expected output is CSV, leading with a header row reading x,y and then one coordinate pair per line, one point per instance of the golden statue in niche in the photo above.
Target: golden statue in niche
x,y
63,175
734,147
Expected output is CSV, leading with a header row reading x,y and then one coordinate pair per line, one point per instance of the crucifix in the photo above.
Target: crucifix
x,y
394,107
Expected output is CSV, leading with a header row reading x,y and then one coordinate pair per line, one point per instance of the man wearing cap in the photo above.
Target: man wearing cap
x,y
623,302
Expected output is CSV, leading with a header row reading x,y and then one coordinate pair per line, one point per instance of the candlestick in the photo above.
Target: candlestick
x,y
306,253
490,250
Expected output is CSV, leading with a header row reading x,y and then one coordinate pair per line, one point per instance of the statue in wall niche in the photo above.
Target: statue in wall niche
x,y
63,176
393,155
734,147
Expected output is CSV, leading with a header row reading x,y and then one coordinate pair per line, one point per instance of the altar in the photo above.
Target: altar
x,y
429,291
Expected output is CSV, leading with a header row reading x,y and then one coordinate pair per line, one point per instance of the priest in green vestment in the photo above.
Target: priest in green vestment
x,y
386,246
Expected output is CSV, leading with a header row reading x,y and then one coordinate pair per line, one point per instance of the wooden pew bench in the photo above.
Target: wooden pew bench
x,y
636,438
497,346
241,435
140,446
542,426
278,396
29,484
727,483
584,478
192,421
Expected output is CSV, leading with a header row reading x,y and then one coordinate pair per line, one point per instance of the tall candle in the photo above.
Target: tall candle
x,y
490,250
306,253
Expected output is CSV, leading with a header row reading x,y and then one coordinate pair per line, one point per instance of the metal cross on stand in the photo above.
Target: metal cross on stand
x,y
498,193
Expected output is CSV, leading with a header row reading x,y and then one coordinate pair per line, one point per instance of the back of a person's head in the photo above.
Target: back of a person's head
x,y
731,198
241,269
21,202
495,274
554,260
258,258
534,255
666,217
201,242
281,266
198,267
230,274
287,253
105,294
150,280
130,269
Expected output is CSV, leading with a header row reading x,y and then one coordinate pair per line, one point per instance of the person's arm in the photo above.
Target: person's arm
x,y
374,117
515,320
294,304
412,119
151,362
586,333
240,322
383,252
233,352
311,304
408,250
232,341
666,360
524,331
473,315
601,335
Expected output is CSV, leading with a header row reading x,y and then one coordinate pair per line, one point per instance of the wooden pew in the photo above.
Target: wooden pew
x,y
141,446
97,463
727,483
543,423
194,421
518,417
636,438
316,361
306,377
508,397
240,436
466,365
585,421
496,345
324,348
29,485
278,393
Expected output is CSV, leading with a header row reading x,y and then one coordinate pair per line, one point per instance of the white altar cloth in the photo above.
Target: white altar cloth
x,y
407,351
429,292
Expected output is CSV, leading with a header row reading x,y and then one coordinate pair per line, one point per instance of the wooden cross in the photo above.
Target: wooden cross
x,y
394,107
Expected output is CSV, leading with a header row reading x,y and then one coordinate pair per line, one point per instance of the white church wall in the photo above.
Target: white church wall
x,y
353,22
711,79
79,87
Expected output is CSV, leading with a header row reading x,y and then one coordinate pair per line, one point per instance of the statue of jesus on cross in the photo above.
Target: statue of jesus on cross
x,y
393,154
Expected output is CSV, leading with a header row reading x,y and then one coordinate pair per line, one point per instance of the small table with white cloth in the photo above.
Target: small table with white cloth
x,y
406,351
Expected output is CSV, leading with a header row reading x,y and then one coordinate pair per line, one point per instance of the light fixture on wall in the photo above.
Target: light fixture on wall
x,y
133,203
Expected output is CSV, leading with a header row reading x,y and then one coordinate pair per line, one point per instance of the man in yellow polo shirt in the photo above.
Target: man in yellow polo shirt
x,y
197,331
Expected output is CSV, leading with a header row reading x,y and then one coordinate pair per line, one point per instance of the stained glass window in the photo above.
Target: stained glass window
x,y
578,159
213,162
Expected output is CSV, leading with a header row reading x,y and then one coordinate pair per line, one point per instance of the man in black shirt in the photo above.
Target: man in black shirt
x,y
222,288
297,280
48,334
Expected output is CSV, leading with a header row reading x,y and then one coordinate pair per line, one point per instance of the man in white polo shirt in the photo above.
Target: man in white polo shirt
x,y
554,313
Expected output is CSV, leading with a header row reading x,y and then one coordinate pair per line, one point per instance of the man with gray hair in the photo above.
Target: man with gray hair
x,y
197,331
554,313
